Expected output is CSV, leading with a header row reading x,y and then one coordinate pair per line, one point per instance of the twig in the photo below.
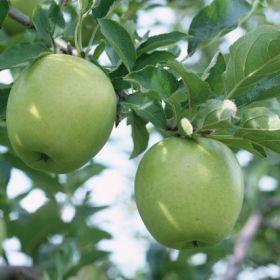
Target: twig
x,y
25,20
242,245
19,272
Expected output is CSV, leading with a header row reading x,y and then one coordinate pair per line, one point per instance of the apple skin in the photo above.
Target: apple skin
x,y
24,6
60,113
189,193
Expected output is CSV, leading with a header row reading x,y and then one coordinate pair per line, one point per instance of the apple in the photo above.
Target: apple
x,y
189,192
60,113
24,6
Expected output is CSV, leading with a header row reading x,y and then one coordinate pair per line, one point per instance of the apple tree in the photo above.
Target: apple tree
x,y
207,83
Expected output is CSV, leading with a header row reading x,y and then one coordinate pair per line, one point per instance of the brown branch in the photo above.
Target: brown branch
x,y
19,272
25,20
242,245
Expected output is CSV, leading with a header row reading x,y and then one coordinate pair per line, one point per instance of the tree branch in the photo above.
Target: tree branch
x,y
242,245
19,273
25,20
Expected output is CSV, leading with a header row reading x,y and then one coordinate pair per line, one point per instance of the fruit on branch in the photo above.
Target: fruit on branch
x,y
60,113
24,6
189,192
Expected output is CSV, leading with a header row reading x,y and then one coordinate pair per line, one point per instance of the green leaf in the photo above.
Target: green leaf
x,y
5,174
85,5
79,177
220,17
21,53
120,41
4,140
159,41
253,71
4,9
98,51
55,17
154,58
102,8
4,94
155,79
48,183
146,108
213,75
260,118
267,138
40,19
34,229
198,90
240,143
140,134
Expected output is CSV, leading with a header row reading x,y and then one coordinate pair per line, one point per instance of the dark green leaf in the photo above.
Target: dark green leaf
x,y
4,94
155,79
154,58
40,20
21,53
4,9
5,174
220,17
120,41
34,229
102,8
241,144
161,40
140,134
214,74
98,51
253,71
147,108
199,90
55,17
4,140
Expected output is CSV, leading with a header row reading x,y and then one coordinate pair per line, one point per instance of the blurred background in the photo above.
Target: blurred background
x,y
85,225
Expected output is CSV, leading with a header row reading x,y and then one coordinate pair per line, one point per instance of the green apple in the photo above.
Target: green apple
x,y
60,113
189,193
24,6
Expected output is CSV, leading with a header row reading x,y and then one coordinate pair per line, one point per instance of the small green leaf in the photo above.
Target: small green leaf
x,y
102,8
161,40
253,70
140,134
198,90
4,9
220,17
155,79
120,41
21,53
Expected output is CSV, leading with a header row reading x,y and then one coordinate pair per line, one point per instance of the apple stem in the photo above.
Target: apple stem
x,y
43,157
195,244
